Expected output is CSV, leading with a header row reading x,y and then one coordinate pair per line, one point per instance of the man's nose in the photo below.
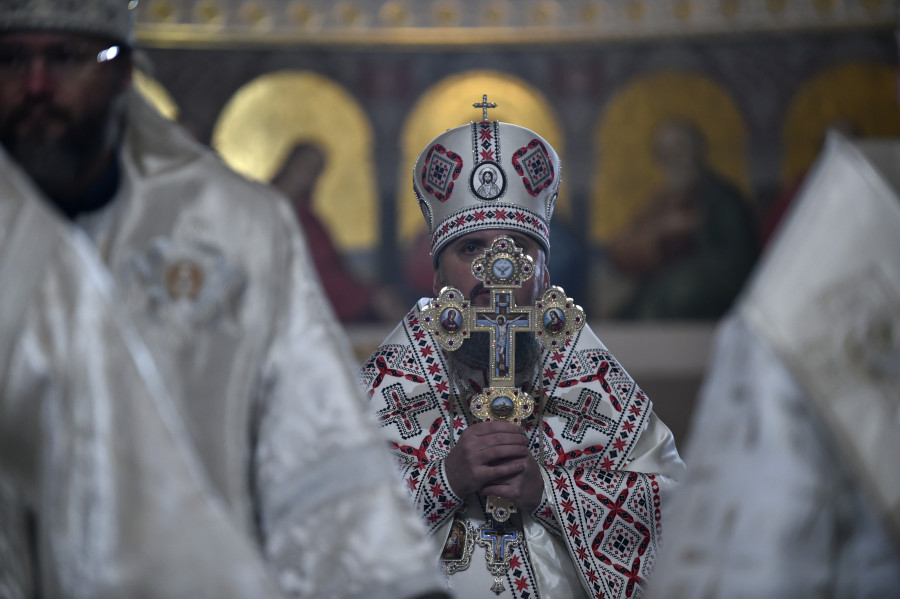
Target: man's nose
x,y
38,77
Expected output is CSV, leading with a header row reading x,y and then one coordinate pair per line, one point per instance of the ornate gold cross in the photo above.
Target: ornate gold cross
x,y
451,319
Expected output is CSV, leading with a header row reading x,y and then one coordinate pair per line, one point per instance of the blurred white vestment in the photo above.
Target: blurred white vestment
x,y
100,493
793,488
217,279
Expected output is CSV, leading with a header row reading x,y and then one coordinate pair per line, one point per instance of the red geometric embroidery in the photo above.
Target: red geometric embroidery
x,y
384,371
442,167
580,415
533,164
402,411
485,141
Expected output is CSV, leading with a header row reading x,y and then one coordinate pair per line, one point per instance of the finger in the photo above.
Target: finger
x,y
500,453
501,472
495,426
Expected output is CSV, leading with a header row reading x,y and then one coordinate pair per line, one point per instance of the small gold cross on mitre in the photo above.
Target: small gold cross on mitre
x,y
484,105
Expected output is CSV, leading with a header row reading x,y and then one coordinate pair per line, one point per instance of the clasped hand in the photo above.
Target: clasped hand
x,y
493,458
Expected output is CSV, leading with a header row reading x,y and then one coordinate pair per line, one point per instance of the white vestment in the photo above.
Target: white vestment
x,y
217,278
793,488
100,493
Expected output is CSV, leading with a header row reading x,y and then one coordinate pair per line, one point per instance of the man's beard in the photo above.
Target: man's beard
x,y
476,353
57,163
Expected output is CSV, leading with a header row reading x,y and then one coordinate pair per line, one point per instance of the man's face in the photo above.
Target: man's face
x,y
58,104
455,267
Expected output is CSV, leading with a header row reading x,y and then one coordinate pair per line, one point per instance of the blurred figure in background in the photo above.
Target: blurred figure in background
x,y
689,250
352,300
793,488
218,280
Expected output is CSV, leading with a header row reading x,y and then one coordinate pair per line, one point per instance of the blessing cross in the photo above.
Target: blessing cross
x,y
484,105
451,319
502,268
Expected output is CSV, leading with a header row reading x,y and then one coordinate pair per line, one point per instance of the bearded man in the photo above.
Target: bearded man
x,y
217,278
594,465
100,491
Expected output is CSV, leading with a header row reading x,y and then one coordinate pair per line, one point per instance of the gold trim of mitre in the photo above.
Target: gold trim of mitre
x,y
111,19
487,175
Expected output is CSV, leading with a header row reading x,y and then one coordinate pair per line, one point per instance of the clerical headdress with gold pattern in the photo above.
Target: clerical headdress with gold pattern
x,y
487,175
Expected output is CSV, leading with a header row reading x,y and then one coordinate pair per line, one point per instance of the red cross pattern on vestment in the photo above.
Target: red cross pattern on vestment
x,y
384,371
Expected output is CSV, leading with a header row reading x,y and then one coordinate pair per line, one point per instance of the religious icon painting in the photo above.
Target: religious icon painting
x,y
445,317
503,268
451,320
554,320
505,404
487,181
184,280
183,286
503,264
559,316
457,551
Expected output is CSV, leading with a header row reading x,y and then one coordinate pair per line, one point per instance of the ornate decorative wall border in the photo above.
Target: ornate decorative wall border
x,y
467,22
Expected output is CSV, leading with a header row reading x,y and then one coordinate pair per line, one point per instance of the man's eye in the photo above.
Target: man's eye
x,y
12,57
67,55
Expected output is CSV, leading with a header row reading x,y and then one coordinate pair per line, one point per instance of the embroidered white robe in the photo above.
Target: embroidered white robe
x,y
217,278
101,495
608,463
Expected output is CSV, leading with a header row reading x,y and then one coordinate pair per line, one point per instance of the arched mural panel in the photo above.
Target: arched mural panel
x,y
671,216
269,116
857,97
157,95
628,174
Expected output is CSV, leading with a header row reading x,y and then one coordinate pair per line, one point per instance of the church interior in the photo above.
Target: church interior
x,y
657,108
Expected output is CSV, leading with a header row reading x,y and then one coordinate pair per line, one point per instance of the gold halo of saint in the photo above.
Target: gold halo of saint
x,y
154,92
858,98
269,116
448,104
628,173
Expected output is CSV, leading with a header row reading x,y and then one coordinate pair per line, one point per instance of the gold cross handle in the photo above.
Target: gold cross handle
x,y
506,404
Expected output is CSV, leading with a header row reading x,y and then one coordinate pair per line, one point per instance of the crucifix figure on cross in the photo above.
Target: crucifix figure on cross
x,y
501,321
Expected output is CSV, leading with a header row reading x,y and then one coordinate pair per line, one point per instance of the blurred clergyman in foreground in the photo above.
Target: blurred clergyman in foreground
x,y
793,488
217,278
100,492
